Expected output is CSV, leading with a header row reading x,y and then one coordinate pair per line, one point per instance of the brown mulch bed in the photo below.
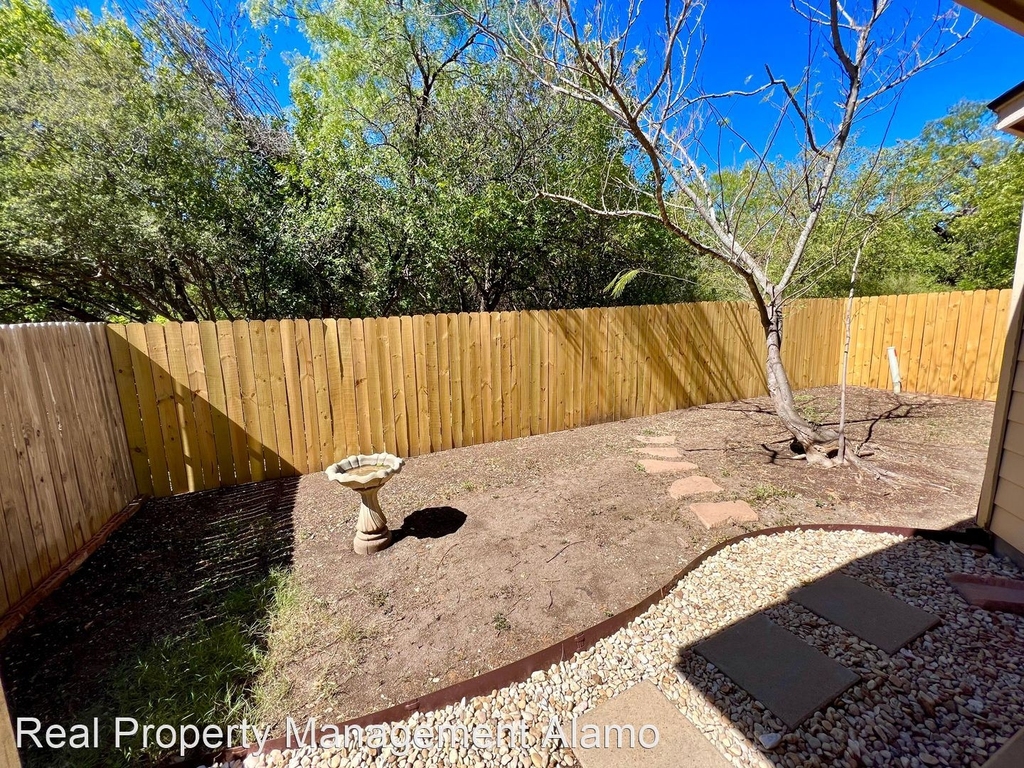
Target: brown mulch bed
x,y
500,549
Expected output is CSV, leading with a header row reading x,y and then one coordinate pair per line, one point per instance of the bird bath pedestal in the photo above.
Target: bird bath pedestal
x,y
365,475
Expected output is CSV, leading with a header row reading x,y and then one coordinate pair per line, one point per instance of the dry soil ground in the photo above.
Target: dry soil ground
x,y
500,549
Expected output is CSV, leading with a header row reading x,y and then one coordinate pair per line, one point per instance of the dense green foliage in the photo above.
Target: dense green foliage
x,y
123,190
963,187
129,188
132,187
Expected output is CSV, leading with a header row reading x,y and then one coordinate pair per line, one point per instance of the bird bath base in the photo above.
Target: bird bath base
x,y
372,532
366,475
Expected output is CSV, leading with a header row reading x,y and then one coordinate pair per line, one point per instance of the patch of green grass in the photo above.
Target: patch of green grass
x,y
501,622
301,626
809,409
204,675
766,493
235,664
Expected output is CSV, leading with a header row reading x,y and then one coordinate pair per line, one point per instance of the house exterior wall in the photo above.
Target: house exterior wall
x,y
1001,507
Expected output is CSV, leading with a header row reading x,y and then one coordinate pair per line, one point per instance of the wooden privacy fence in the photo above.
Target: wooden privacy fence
x,y
947,343
93,414
211,404
64,466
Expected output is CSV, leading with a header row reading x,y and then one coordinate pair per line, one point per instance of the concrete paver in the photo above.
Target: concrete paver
x,y
870,614
692,485
777,668
679,743
720,513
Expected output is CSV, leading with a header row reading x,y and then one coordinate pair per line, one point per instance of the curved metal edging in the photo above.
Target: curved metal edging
x,y
520,670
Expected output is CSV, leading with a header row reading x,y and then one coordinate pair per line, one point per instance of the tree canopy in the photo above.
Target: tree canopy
x,y
140,180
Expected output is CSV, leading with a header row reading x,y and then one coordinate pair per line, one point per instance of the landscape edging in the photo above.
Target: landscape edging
x,y
520,670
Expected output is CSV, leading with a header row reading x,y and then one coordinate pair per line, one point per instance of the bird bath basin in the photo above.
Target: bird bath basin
x,y
365,475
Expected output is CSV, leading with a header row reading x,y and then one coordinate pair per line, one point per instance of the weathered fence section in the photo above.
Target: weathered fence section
x,y
947,343
64,464
211,404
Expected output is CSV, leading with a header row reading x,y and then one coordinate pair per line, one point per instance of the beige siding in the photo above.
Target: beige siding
x,y
1002,500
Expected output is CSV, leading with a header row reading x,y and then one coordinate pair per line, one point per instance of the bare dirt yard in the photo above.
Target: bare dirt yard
x,y
500,550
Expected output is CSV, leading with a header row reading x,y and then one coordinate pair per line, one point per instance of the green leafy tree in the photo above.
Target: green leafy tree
x,y
938,212
420,156
126,188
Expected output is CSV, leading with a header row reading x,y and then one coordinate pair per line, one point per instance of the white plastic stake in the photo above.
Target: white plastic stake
x,y
894,369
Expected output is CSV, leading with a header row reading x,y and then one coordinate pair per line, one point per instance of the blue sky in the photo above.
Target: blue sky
x,y
743,35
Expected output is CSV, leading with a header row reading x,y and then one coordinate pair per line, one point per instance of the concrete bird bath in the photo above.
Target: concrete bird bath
x,y
365,475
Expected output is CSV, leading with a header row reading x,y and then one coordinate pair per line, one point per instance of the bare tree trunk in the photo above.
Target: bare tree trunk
x,y
812,438
848,324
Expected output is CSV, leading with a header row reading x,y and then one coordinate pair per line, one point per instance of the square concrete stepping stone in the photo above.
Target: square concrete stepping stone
x,y
659,451
881,619
990,593
1010,755
680,744
692,485
656,466
715,514
656,440
777,668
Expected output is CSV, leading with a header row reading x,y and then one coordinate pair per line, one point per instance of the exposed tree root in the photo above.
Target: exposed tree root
x,y
818,455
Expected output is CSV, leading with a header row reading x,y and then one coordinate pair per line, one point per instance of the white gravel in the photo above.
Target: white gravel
x,y
951,697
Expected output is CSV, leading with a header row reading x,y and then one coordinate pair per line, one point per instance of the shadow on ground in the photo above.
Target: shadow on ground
x,y
430,523
784,675
170,608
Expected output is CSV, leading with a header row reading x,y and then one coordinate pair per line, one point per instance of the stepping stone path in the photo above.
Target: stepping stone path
x,y
657,466
692,485
680,744
663,453
777,668
712,515
717,514
990,593
881,619
790,677
659,440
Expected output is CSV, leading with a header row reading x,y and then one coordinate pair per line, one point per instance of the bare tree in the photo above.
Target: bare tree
x,y
859,54
227,61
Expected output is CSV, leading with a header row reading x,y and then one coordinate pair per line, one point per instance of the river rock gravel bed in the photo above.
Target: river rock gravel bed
x,y
950,698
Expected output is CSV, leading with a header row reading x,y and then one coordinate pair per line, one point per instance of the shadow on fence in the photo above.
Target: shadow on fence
x,y
213,404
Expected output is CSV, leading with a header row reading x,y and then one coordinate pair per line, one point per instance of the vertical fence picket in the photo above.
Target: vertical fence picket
x,y
279,398
321,385
265,399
